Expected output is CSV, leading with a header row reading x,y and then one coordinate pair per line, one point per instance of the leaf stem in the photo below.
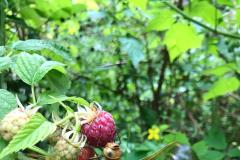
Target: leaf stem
x,y
64,119
214,30
33,94
39,150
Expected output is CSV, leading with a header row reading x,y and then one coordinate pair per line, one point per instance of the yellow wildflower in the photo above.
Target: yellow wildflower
x,y
153,133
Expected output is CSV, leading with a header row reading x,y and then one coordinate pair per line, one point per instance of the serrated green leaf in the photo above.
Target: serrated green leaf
x,y
203,9
32,68
37,45
5,63
181,37
3,144
222,87
161,21
133,48
36,130
46,67
7,101
27,65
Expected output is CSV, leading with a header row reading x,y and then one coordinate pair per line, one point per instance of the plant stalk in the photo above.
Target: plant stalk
x,y
33,94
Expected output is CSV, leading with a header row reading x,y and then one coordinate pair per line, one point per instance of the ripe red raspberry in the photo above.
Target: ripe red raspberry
x,y
86,153
100,130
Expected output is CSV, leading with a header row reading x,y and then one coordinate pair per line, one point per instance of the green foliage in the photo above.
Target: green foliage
x,y
180,38
36,130
36,45
7,101
149,63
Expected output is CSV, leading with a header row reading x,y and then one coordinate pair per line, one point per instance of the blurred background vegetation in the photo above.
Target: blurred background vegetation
x,y
166,70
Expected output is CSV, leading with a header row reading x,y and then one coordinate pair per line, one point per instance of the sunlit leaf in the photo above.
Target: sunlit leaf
x,y
181,37
161,21
204,10
222,87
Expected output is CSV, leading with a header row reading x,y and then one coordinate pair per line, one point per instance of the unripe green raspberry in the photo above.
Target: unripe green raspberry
x,y
65,151
13,122
55,137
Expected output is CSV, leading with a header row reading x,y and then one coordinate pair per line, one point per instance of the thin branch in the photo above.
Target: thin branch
x,y
234,36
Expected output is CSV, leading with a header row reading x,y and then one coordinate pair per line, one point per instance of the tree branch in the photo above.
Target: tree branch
x,y
157,92
184,15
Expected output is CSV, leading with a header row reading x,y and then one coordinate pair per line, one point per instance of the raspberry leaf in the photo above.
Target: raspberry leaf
x,y
7,101
46,67
36,130
32,68
39,45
